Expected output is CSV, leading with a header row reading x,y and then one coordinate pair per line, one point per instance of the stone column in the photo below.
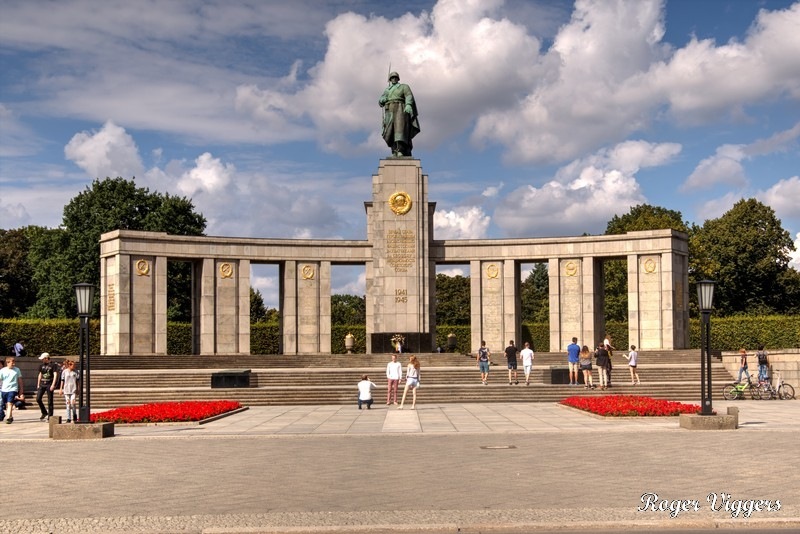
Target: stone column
x,y
115,304
675,299
648,280
243,282
308,307
512,306
566,277
491,304
289,306
204,322
226,306
593,301
399,222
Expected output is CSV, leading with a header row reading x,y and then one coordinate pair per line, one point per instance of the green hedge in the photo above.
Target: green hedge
x,y
733,333
60,336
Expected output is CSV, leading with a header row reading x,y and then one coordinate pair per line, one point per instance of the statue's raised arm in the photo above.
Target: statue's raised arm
x,y
400,117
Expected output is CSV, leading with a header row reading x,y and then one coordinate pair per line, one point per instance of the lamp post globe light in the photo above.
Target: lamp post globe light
x,y
705,301
84,295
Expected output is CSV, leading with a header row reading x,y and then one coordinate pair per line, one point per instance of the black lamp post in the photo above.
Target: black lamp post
x,y
705,299
84,294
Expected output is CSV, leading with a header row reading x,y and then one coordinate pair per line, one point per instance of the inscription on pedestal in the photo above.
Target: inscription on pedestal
x,y
401,249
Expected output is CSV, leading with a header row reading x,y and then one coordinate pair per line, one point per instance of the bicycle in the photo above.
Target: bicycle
x,y
736,390
785,391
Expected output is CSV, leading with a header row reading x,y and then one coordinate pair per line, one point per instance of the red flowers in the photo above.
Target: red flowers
x,y
629,405
166,412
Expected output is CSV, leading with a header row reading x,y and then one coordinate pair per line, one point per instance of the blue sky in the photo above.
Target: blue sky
x,y
539,118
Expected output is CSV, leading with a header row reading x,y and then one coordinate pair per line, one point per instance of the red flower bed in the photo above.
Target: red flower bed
x,y
166,412
629,405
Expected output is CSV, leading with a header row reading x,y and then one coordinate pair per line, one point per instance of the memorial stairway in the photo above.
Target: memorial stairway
x,y
332,378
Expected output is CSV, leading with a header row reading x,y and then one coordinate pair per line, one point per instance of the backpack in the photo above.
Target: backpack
x,y
483,353
762,357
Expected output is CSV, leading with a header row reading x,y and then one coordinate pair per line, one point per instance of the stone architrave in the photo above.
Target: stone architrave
x,y
399,257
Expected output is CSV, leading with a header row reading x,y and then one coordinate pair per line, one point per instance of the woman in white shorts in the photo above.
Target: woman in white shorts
x,y
412,382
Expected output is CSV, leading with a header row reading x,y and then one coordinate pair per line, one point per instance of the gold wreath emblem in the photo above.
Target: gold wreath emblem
x,y
649,266
571,268
142,268
307,272
492,271
400,203
226,270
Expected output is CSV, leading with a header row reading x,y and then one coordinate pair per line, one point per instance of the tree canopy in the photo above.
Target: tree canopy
x,y
348,309
17,292
71,254
452,300
746,251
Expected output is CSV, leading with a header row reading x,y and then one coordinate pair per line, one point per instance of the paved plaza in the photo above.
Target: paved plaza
x,y
510,467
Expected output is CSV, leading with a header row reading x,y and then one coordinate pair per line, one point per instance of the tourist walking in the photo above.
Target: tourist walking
x,y
365,388
394,373
412,382
632,356
573,350
602,360
742,364
11,389
19,349
585,361
527,362
511,356
69,388
46,385
763,364
483,359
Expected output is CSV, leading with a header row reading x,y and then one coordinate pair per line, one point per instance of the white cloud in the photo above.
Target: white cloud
x,y
460,223
584,194
795,255
357,286
717,207
783,197
452,271
108,152
725,166
209,175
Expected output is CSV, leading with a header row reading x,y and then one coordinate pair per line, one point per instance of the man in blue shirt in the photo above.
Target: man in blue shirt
x,y
573,350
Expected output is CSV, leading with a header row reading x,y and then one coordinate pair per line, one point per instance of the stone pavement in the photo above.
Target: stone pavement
x,y
512,467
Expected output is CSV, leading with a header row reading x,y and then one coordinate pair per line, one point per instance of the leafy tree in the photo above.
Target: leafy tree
x,y
615,272
452,300
646,217
74,255
348,309
535,296
16,285
746,251
258,312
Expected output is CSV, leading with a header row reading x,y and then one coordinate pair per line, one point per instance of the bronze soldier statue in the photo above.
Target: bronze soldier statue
x,y
400,117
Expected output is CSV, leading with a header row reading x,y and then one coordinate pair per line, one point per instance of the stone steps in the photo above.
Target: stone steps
x,y
104,362
345,377
322,395
331,379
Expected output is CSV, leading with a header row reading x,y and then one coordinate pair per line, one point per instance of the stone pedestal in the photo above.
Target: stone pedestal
x,y
80,430
401,277
709,422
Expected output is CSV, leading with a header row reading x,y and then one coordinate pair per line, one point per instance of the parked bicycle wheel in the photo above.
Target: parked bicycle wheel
x,y
755,392
786,392
730,393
